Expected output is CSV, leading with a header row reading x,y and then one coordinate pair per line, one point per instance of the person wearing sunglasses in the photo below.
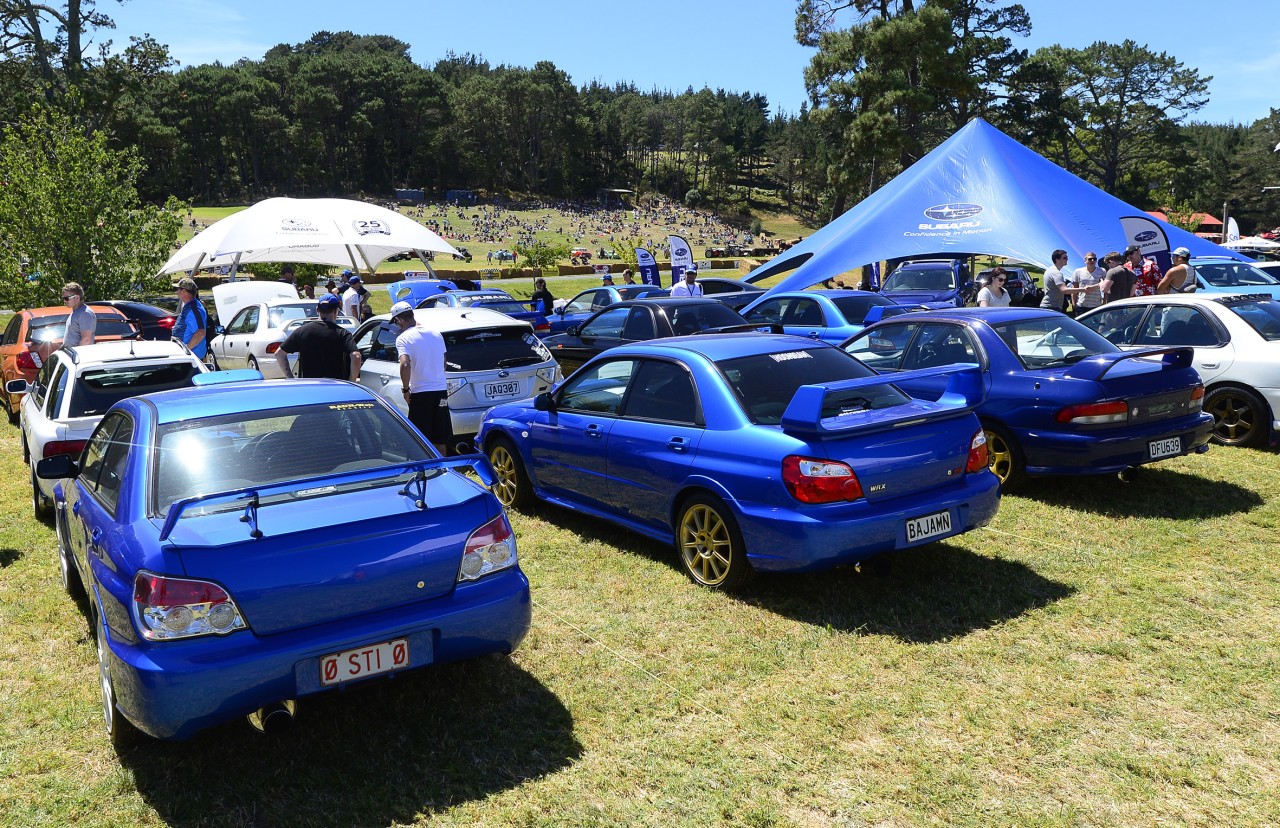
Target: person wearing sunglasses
x,y
1089,277
82,323
993,294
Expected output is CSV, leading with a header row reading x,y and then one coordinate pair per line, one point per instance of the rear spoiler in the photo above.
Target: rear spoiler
x,y
250,495
965,391
880,312
1096,367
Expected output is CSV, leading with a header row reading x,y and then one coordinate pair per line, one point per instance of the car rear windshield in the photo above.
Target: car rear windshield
x,y
507,306
1261,315
257,448
854,308
921,278
281,315
1052,341
98,389
488,349
53,328
765,383
701,316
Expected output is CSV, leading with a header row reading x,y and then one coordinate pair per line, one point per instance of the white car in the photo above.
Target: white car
x,y
490,358
259,314
76,386
1236,338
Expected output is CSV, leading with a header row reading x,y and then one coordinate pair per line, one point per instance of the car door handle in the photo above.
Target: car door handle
x,y
1209,365
385,379
595,431
75,508
813,334
678,444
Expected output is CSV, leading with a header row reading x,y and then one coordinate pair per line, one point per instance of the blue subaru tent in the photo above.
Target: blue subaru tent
x,y
980,192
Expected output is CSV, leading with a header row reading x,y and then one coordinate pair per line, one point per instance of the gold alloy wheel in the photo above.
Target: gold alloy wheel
x,y
504,467
706,545
1235,420
1000,455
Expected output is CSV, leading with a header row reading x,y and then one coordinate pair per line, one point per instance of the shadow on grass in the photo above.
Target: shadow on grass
x,y
1152,493
930,593
377,755
9,556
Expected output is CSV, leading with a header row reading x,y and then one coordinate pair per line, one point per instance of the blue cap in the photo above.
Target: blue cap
x,y
354,280
329,299
346,273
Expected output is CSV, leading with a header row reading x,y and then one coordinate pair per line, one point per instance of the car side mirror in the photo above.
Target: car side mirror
x,y
57,467
219,330
18,386
544,402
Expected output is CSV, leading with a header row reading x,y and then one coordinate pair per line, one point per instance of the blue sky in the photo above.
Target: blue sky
x,y
674,45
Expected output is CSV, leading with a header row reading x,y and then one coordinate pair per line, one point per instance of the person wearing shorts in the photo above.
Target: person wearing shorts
x,y
422,376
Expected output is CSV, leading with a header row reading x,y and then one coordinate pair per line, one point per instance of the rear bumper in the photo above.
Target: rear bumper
x,y
171,690
1057,452
820,538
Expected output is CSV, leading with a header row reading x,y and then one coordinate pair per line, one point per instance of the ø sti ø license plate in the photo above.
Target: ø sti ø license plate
x,y
350,665
930,526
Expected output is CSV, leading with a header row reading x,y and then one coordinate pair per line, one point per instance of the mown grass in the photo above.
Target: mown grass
x,y
1104,654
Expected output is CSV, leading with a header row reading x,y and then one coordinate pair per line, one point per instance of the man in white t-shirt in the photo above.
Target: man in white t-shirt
x,y
689,287
422,376
353,298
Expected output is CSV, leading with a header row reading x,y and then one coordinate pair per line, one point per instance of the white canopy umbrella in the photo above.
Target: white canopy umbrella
x,y
1251,243
329,231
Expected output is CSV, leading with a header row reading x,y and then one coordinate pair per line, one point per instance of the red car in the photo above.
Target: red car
x,y
34,334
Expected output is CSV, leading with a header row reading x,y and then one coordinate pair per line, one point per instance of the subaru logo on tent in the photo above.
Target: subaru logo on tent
x,y
1145,236
953,212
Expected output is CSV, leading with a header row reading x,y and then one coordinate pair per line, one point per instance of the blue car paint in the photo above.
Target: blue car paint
x,y
1227,275
316,555
562,320
833,326
489,299
635,473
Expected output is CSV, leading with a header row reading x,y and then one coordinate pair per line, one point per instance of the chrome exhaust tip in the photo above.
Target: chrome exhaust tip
x,y
274,718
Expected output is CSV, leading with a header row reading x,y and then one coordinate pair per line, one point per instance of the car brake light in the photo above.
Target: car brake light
x,y
26,362
545,327
167,608
978,455
811,480
1094,413
1197,399
167,322
489,549
273,347
56,447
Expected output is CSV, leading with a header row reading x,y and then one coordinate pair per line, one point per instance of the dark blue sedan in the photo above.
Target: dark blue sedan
x,y
750,452
1060,399
580,307
247,546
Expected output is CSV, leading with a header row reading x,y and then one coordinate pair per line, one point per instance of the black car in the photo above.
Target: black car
x,y
1022,287
171,303
733,292
639,320
154,323
463,253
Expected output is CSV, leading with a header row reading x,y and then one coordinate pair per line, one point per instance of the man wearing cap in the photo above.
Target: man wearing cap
x,y
192,318
353,300
1146,272
286,276
422,376
1181,278
606,280
324,348
689,288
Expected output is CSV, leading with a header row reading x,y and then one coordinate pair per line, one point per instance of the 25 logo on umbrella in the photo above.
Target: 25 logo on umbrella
x,y
364,228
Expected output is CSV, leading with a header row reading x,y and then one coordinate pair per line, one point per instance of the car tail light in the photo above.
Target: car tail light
x,y
167,322
27,362
810,480
978,455
1095,413
55,447
544,328
1197,399
167,608
273,347
489,549
550,375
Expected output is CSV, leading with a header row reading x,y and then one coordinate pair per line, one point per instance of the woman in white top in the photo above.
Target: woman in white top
x,y
994,295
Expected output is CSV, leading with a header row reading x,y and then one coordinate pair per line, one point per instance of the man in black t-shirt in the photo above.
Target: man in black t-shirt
x,y
323,347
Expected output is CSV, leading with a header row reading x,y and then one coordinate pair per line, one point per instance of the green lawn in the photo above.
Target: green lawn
x,y
1104,654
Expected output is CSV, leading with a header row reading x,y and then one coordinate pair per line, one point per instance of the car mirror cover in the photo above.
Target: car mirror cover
x,y
544,402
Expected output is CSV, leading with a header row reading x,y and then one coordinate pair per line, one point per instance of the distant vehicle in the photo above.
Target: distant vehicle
x,y
577,309
463,253
504,255
934,283
1022,287
735,293
243,547
497,300
1225,275
831,315
155,323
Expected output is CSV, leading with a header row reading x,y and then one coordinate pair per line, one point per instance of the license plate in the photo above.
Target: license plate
x,y
1171,447
501,389
350,665
929,526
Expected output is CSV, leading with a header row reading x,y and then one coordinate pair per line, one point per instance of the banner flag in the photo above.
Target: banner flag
x,y
681,258
1233,229
1149,237
874,275
648,266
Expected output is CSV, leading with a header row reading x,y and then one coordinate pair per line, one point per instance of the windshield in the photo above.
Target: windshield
x,y
507,306
1049,342
100,388
1261,315
468,301
219,454
765,383
921,278
1234,274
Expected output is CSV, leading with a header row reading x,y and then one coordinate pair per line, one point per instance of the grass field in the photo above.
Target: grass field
x,y
1105,654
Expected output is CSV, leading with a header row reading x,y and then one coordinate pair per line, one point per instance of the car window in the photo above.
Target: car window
x,y
240,324
765,383
97,389
281,315
96,452
884,347
854,309
663,391
806,313
113,463
47,328
493,348
1051,341
58,390
583,302
1169,325
639,325
598,388
1234,274
938,345
921,278
1262,316
431,302
44,379
11,332
770,311
203,456
607,324
113,325
1117,325
507,306
384,342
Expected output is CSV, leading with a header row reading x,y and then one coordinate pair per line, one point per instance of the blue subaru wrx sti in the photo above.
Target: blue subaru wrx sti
x,y
752,452
248,545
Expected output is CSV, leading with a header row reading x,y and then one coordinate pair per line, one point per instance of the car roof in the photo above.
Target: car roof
x,y
830,293
120,350
251,396
989,315
1208,298
665,302
721,346
929,262
445,318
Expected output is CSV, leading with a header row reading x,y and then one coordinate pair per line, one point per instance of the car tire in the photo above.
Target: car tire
x,y
120,730
40,504
1005,458
709,544
1240,417
253,364
70,575
513,489
10,410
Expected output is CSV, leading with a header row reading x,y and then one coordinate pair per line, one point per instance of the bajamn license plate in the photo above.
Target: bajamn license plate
x,y
1171,447
929,526
350,665
493,390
